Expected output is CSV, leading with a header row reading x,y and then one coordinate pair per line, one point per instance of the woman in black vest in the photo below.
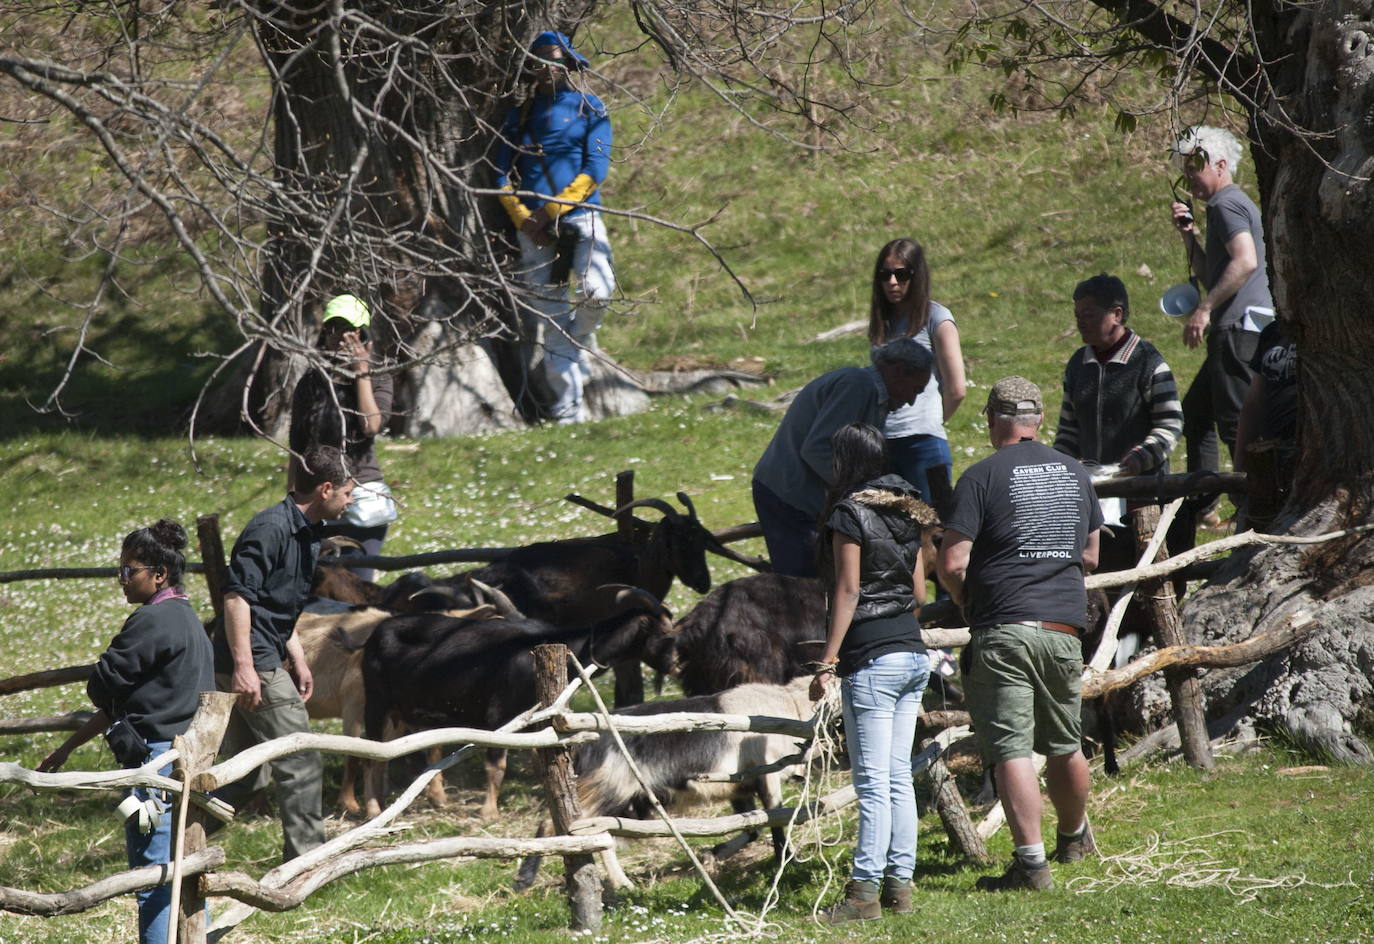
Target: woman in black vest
x,y
871,544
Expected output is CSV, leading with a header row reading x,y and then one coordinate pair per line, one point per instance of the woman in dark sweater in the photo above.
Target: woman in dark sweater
x,y
146,688
871,544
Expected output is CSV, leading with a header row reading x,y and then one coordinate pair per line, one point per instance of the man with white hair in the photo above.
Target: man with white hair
x,y
1022,532
1231,267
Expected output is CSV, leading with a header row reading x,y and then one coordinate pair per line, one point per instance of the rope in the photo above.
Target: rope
x,y
1186,863
809,840
649,792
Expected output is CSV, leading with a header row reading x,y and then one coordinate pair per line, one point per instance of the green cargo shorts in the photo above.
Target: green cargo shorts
x,y
1022,691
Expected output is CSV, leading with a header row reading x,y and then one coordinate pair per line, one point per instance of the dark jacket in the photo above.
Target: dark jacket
x,y
153,672
1129,404
271,567
885,517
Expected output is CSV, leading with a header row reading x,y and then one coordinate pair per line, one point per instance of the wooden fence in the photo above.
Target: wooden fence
x,y
198,871
198,874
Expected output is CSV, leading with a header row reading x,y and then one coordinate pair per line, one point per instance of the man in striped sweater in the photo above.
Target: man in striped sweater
x,y
1120,402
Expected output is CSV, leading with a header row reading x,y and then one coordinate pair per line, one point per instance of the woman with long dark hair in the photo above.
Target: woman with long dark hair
x,y
901,306
871,548
146,688
345,405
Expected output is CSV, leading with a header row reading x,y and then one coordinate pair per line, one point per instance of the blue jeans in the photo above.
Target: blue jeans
x,y
789,533
913,455
881,700
569,326
154,904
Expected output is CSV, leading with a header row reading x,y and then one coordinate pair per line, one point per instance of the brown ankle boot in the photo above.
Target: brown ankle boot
x,y
860,903
896,896
1074,848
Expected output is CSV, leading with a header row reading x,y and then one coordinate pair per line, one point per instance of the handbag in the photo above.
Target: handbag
x,y
126,744
372,506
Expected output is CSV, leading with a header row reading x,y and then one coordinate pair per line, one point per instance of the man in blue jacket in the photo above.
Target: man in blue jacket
x,y
791,478
557,144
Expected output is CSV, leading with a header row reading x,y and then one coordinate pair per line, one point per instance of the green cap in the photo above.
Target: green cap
x,y
350,308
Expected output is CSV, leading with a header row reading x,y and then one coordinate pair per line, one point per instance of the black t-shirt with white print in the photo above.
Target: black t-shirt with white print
x,y
1029,511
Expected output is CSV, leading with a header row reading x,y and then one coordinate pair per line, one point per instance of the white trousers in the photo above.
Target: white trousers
x,y
569,323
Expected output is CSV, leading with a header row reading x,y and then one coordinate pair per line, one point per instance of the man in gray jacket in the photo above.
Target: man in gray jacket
x,y
791,478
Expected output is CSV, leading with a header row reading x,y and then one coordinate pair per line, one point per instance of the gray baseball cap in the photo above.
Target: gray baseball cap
x,y
1014,396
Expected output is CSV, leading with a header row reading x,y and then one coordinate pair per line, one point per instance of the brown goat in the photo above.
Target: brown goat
x,y
333,645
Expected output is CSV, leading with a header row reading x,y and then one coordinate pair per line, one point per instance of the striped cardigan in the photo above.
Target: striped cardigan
x,y
1128,405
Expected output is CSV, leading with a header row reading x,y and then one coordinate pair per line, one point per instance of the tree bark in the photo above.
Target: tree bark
x,y
51,904
197,747
212,560
949,802
272,898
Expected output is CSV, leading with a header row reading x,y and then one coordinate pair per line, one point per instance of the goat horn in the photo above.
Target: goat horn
x,y
687,503
657,504
625,594
503,603
335,544
438,590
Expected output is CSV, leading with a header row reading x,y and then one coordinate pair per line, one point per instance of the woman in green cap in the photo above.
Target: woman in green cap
x,y
345,404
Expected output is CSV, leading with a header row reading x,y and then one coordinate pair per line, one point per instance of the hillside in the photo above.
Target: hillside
x,y
1013,209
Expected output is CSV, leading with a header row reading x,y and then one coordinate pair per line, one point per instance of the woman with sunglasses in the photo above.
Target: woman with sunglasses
x,y
146,688
901,306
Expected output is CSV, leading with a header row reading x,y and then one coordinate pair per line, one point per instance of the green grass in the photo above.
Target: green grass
x,y
1012,212
74,496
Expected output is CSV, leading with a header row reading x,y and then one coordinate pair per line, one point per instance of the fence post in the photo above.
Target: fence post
x,y
1162,608
629,676
583,881
212,555
197,747
953,813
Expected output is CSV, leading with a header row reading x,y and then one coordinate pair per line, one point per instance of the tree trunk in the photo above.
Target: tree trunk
x,y
1319,224
1312,133
375,146
1318,200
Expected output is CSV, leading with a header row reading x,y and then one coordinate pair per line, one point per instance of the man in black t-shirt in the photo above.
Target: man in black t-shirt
x,y
1022,533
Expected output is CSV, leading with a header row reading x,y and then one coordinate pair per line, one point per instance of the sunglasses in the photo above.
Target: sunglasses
x,y
1192,162
902,275
126,573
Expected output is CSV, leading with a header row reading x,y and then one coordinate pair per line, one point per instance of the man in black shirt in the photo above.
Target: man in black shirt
x,y
258,655
1022,532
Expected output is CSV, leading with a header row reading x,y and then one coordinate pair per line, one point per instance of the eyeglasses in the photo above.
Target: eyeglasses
x,y
902,275
126,573
1192,162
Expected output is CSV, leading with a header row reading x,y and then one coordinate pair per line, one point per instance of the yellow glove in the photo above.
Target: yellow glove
x,y
578,191
516,210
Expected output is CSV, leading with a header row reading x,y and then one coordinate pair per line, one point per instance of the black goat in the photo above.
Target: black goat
x,y
564,582
568,583
429,670
759,628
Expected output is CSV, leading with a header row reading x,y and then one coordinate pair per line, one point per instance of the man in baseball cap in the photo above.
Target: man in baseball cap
x,y
1014,396
1022,531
